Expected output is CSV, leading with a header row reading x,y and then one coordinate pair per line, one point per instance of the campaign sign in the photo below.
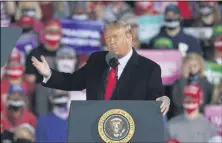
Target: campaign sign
x,y
169,60
213,72
214,114
149,26
83,36
26,43
203,33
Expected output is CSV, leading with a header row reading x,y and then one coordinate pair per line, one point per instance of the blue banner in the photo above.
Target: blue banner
x,y
83,36
26,43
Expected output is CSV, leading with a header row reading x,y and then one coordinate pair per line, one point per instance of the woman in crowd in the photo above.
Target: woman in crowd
x,y
192,72
208,14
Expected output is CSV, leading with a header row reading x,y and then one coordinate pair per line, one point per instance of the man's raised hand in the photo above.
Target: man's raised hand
x,y
42,66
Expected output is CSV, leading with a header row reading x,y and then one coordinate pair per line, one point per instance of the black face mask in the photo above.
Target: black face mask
x,y
27,29
14,108
194,78
172,24
21,140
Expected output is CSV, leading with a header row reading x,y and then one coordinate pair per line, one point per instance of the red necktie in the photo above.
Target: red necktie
x,y
111,82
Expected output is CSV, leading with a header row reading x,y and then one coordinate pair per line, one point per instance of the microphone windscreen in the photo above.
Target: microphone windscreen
x,y
110,56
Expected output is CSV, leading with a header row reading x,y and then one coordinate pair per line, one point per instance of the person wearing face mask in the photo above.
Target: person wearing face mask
x,y
78,10
52,36
56,121
172,30
26,23
192,73
209,15
13,74
28,16
67,61
191,126
24,133
15,112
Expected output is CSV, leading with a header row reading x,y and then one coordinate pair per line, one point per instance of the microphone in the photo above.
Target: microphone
x,y
111,60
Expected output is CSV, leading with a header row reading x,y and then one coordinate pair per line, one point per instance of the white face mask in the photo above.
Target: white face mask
x,y
60,100
80,16
219,61
66,65
61,113
14,103
172,24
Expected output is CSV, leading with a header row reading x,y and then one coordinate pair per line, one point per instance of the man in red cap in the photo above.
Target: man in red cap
x,y
52,35
191,126
15,112
14,74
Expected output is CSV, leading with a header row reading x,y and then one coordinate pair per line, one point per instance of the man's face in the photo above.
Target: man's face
x,y
66,64
15,102
191,104
172,20
117,41
14,70
52,37
52,29
172,15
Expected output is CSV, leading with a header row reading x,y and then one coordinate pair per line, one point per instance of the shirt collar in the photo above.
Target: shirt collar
x,y
126,58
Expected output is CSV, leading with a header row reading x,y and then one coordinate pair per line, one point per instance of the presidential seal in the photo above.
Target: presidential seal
x,y
116,126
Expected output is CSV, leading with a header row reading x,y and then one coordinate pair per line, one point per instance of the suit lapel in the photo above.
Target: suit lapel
x,y
126,76
101,78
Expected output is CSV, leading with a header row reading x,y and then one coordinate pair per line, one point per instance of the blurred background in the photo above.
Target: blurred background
x,y
184,38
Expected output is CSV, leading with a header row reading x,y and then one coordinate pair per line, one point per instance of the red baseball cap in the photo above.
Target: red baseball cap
x,y
172,141
193,90
15,56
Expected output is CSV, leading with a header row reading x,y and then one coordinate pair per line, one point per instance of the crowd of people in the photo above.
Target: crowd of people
x,y
33,113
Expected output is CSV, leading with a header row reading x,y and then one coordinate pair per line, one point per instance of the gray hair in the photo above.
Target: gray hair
x,y
119,24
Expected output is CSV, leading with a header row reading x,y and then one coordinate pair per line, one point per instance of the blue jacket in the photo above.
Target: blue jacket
x,y
51,128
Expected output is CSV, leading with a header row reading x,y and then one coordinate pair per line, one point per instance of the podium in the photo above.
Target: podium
x,y
115,121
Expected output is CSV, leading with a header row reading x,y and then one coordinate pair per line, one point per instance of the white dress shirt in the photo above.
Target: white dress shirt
x,y
122,63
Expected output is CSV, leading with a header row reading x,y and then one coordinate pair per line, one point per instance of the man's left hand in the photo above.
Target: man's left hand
x,y
165,105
